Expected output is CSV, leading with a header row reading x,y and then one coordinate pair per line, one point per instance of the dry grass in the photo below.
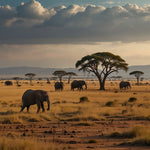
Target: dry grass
x,y
65,105
30,144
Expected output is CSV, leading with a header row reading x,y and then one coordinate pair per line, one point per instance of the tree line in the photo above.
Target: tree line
x,y
101,64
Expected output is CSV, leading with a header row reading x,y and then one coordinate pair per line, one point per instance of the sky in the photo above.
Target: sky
x,y
59,33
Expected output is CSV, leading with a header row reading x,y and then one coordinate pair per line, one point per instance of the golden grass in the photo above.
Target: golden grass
x,y
66,105
27,144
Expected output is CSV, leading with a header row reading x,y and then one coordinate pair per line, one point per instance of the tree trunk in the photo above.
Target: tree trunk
x,y
30,81
138,80
102,83
69,79
102,86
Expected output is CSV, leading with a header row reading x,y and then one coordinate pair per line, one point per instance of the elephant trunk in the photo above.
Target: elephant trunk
x,y
48,103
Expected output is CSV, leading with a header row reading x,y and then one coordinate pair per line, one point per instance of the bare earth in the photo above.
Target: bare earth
x,y
74,135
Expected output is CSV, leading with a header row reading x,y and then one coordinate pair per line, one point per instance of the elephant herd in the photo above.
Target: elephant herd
x,y
76,84
31,97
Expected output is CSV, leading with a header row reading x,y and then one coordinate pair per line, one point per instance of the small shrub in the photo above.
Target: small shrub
x,y
84,124
115,134
84,99
110,103
141,142
132,99
124,111
135,132
125,103
92,141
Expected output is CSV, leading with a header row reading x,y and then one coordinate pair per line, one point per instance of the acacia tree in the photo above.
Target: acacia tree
x,y
30,76
59,74
102,64
17,80
137,74
70,74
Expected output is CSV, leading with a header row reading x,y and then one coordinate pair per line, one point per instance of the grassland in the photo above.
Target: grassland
x,y
88,124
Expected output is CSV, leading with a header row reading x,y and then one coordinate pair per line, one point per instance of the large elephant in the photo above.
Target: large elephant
x,y
31,97
78,84
124,85
58,86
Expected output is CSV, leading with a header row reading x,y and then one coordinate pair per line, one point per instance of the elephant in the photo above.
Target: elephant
x,y
124,85
78,84
8,83
58,86
31,97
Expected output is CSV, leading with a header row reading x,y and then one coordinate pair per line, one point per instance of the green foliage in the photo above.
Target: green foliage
x,y
136,72
102,64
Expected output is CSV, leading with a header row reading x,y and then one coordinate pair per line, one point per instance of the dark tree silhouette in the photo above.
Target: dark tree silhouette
x,y
70,74
137,74
59,74
102,64
30,76
17,80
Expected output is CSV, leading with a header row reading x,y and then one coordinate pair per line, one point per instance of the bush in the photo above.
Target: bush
x,y
84,99
135,132
92,141
132,99
110,103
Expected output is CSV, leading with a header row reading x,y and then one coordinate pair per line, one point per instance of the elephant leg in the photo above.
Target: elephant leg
x,y
42,105
39,106
22,108
28,108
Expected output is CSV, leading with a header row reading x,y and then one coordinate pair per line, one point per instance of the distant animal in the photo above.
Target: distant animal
x,y
78,84
8,83
31,97
124,85
58,86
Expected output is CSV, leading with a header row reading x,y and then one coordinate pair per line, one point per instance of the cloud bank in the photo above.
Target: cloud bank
x,y
31,23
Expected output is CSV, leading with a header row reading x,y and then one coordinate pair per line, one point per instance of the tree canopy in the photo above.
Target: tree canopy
x,y
30,76
59,74
102,64
137,74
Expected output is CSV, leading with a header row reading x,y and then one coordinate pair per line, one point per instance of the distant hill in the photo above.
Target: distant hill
x,y
40,72
47,72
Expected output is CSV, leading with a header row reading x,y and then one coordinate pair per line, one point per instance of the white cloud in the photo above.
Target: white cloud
x,y
32,10
32,23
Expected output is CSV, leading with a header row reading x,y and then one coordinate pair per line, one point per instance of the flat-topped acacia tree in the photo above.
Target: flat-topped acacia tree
x,y
102,64
30,76
137,74
59,74
70,74
17,80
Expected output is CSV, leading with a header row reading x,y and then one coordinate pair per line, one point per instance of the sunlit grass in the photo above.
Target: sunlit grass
x,y
66,105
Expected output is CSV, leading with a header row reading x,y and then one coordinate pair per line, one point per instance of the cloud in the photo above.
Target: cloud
x,y
6,14
109,2
31,23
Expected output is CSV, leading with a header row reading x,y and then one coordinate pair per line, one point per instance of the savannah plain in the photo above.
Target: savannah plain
x,y
113,119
